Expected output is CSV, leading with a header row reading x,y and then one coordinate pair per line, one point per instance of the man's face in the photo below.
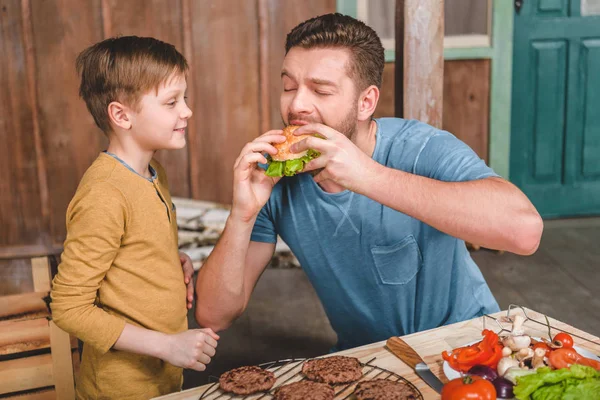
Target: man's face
x,y
162,117
317,88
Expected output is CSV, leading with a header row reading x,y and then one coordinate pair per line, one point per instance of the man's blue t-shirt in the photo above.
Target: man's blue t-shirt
x,y
378,272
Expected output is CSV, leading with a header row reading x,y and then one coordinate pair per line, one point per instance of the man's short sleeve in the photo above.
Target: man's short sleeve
x,y
264,228
446,158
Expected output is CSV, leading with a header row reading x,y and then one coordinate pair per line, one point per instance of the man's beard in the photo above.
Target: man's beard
x,y
347,126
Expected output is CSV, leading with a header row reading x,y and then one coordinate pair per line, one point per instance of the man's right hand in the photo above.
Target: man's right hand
x,y
251,187
191,349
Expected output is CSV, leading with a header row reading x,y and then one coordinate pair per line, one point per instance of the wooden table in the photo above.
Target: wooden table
x,y
430,344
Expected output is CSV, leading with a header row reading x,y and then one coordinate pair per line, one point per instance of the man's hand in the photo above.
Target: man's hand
x,y
251,187
188,274
341,160
191,349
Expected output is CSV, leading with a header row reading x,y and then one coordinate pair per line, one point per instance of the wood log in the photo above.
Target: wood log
x,y
23,304
27,335
422,58
26,373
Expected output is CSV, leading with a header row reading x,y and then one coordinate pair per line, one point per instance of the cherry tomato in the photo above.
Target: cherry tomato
x,y
469,388
565,339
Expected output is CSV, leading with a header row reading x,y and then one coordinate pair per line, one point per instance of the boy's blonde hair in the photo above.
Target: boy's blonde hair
x,y
123,69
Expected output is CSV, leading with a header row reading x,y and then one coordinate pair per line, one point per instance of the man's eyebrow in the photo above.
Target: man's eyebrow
x,y
285,73
323,82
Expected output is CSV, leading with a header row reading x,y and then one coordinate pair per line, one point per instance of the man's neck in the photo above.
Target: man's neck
x,y
364,137
132,154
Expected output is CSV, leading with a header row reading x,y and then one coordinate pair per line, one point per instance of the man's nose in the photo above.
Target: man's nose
x,y
300,103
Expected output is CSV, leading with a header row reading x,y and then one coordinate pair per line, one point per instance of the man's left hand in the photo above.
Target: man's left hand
x,y
341,160
188,274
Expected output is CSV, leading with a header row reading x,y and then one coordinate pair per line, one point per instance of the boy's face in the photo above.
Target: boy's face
x,y
162,117
317,88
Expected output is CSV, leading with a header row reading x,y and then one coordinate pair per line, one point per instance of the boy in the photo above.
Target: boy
x,y
120,286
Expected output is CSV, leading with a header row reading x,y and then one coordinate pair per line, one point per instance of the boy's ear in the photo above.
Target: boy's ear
x,y
119,115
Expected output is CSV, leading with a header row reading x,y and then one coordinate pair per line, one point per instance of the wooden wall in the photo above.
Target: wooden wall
x,y
234,48
466,101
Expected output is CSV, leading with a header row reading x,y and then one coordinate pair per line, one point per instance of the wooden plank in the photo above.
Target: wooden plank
x,y
263,36
15,277
40,270
501,74
225,92
283,16
162,20
26,373
21,336
62,363
44,394
423,64
29,251
23,303
466,102
429,345
400,32
70,141
21,208
385,107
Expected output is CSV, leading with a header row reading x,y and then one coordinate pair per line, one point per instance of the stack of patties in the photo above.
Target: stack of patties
x,y
286,163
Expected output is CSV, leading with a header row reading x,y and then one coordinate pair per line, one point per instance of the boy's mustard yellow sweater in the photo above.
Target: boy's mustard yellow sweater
x,y
120,264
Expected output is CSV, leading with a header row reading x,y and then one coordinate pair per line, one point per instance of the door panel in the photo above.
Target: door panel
x,y
555,142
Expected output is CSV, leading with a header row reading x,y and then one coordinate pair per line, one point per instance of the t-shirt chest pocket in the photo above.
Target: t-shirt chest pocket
x,y
399,263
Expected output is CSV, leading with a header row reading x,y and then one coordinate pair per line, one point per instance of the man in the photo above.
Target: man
x,y
380,227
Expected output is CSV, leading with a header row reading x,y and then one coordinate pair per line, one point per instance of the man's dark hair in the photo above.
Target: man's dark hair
x,y
341,31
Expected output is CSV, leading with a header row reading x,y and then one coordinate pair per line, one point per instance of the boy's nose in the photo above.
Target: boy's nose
x,y
186,113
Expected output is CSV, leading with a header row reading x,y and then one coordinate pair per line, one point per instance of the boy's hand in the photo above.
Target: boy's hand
x,y
191,349
188,274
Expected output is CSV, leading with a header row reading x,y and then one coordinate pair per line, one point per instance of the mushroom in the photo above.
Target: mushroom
x,y
538,358
506,351
552,344
517,339
505,363
524,354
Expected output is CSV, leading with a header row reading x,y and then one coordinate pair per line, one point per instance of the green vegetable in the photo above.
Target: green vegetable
x,y
290,167
577,382
514,372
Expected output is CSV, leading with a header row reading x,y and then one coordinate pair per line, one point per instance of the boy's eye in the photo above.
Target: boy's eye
x,y
288,90
172,103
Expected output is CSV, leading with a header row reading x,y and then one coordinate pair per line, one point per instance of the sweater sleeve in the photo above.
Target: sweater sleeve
x,y
96,220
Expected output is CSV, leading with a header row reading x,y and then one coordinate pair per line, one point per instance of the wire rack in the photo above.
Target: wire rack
x,y
508,318
289,371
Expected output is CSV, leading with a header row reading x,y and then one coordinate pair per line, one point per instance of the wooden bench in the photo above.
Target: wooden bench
x,y
38,360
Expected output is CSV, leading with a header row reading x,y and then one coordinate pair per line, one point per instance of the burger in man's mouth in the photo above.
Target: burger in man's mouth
x,y
286,163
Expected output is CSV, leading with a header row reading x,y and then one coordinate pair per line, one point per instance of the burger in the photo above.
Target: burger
x,y
286,163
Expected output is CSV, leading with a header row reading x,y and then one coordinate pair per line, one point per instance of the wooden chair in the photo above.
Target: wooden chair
x,y
38,360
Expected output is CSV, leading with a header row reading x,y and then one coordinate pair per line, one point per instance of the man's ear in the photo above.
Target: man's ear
x,y
119,115
367,102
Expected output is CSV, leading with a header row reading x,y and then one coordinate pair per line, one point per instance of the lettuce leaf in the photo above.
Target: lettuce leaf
x,y
548,384
290,167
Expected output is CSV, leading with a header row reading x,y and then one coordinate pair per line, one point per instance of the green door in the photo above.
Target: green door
x,y
555,132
